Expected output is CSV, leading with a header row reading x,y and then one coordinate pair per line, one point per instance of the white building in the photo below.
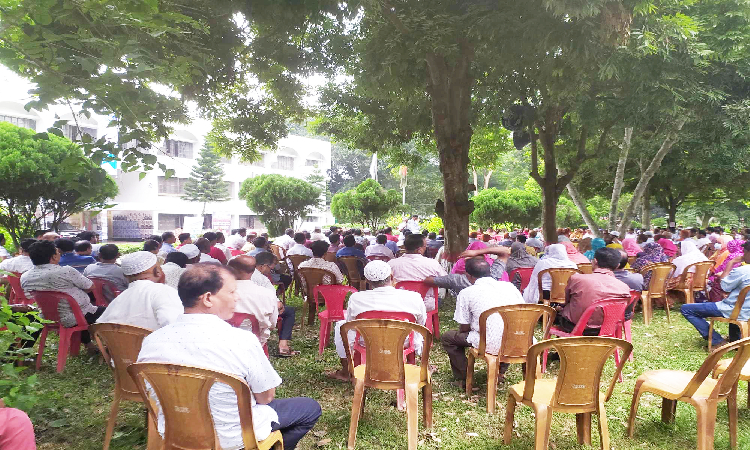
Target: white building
x,y
154,204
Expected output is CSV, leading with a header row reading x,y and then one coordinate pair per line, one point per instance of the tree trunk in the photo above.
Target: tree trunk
x,y
487,178
581,205
646,176
476,183
619,176
646,210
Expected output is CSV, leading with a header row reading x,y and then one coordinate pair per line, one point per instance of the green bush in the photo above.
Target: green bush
x,y
16,388
129,248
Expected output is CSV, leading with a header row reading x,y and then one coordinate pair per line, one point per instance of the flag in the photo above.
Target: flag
x,y
374,167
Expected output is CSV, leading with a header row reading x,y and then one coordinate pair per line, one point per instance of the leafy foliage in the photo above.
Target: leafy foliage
x,y
368,204
206,179
493,207
279,200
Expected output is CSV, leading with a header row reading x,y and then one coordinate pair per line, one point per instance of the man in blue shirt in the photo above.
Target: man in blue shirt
x,y
69,258
732,281
349,248
168,239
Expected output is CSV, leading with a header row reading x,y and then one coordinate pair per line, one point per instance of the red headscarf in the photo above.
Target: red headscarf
x,y
669,248
573,253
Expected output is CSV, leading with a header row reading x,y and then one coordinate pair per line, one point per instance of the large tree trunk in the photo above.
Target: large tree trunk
x,y
646,176
646,210
581,205
619,176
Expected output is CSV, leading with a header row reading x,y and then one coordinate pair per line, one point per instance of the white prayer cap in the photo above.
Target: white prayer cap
x,y
366,230
377,270
614,233
190,250
237,241
135,263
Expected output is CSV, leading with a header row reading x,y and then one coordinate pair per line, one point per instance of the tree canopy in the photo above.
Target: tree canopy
x,y
368,204
279,200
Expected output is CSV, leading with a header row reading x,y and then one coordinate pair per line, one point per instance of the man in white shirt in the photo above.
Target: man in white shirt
x,y
20,263
202,337
382,297
413,224
379,248
485,293
107,269
299,247
147,302
369,236
317,235
412,266
173,267
286,240
319,249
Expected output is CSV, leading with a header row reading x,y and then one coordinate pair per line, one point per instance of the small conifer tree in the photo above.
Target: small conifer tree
x,y
206,182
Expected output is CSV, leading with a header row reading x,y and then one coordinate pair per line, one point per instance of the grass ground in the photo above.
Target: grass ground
x,y
74,405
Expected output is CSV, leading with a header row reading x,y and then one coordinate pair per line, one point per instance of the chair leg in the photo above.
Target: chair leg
x,y
710,333
634,408
323,336
75,343
412,417
646,303
62,350
666,309
427,405
310,313
492,371
689,296
628,335
470,372
603,428
544,362
154,439
436,326
732,413
748,394
43,339
112,419
583,428
543,422
359,395
510,412
617,363
668,410
706,412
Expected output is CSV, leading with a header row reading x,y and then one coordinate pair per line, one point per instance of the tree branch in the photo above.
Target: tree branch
x,y
388,12
534,157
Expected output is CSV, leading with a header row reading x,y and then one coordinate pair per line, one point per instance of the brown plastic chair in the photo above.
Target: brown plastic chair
x,y
296,260
519,322
696,283
278,252
120,345
586,268
182,393
721,367
560,277
744,325
313,277
351,266
385,369
697,389
330,257
657,288
576,389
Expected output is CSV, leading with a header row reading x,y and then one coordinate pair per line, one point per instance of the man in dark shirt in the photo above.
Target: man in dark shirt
x,y
69,258
633,280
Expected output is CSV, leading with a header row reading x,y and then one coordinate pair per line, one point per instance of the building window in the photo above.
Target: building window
x,y
249,221
71,132
26,123
312,162
172,186
170,222
178,149
284,162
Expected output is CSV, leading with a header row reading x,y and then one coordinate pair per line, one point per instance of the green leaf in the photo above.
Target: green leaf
x,y
142,175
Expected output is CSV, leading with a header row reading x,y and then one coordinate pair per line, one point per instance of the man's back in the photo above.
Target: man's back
x,y
106,271
19,264
350,251
380,250
633,280
585,289
389,299
52,277
144,304
259,301
76,261
415,267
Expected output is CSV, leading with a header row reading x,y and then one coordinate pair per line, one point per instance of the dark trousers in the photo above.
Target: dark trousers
x,y
455,343
287,323
297,416
696,314
91,319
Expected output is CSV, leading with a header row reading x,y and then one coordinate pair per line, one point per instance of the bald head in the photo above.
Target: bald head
x,y
242,266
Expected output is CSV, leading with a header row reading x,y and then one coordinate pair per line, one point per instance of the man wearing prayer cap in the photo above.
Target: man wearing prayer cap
x,y
147,302
382,297
192,253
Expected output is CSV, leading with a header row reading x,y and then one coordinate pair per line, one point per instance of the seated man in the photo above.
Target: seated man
x,y
633,280
147,302
201,337
319,249
335,241
412,266
350,249
204,245
185,239
107,269
732,281
84,248
261,302
192,252
379,248
168,239
173,268
485,293
20,263
382,297
585,289
49,275
299,248
68,257
497,269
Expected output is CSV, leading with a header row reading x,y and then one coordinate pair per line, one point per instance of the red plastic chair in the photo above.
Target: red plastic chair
x,y
334,296
237,320
16,292
525,275
70,338
624,327
433,320
98,290
613,310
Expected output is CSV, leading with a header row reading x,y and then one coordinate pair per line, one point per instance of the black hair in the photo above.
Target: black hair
x,y
381,239
289,232
183,237
166,235
65,245
178,258
26,243
265,259
41,252
85,236
155,237
210,235
521,238
82,246
260,242
349,240
39,233
203,245
333,228
432,236
335,238
623,261
319,248
701,232
219,235
407,233
388,230
108,252
746,246
198,280
357,232
607,258
413,242
477,267
151,245
300,238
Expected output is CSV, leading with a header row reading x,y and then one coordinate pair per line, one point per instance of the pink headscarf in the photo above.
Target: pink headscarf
x,y
735,250
460,266
573,253
631,247
669,248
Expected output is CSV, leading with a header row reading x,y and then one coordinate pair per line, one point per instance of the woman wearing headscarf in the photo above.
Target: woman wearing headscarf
x,y
733,249
573,253
631,247
519,258
596,244
460,266
555,256
652,253
670,249
689,254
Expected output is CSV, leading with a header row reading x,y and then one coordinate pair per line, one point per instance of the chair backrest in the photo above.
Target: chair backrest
x,y
330,257
334,296
296,260
239,317
582,359
19,296
98,290
378,258
740,301
519,322
728,379
560,277
182,394
277,251
421,287
525,273
48,301
313,277
384,340
586,268
700,276
120,345
351,266
660,272
613,310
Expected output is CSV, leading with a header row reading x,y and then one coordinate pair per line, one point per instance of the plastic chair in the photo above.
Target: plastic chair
x,y
17,295
334,297
360,351
613,311
313,277
330,257
433,319
657,288
120,345
560,277
378,258
722,366
586,268
70,338
697,283
277,251
732,319
387,370
697,389
519,322
624,331
182,393
295,260
99,293
351,266
525,275
237,320
576,389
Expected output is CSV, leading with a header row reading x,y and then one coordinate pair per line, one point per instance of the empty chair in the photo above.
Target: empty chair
x,y
70,337
657,288
433,320
334,297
